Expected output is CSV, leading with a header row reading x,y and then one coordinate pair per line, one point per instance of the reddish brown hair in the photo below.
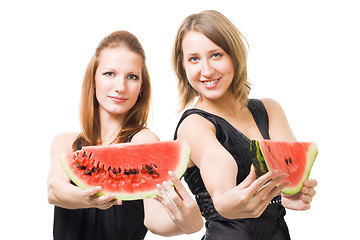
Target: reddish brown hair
x,y
136,118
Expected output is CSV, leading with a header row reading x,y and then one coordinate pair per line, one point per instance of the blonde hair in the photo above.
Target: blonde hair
x,y
223,33
136,118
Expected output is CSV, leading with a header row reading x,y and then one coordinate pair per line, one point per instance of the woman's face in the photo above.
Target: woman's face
x,y
118,80
209,69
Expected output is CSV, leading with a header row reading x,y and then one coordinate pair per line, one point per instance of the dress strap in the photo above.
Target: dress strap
x,y
210,117
255,106
260,115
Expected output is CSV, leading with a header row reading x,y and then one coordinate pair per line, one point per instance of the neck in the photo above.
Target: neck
x,y
227,105
110,128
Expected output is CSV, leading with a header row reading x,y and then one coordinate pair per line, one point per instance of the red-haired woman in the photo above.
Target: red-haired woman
x,y
114,107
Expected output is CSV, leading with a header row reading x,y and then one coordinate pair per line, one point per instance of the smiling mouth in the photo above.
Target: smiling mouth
x,y
210,83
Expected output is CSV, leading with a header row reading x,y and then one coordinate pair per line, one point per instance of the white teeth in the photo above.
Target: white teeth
x,y
210,82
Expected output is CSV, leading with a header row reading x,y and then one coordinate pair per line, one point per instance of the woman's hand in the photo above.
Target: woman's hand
x,y
181,208
250,198
301,200
101,202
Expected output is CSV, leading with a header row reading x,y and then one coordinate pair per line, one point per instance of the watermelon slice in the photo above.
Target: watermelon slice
x,y
128,170
293,158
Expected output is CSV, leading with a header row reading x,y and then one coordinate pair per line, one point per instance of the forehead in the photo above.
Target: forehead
x,y
119,57
194,42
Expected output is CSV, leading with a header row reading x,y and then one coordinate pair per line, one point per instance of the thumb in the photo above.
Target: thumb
x,y
248,180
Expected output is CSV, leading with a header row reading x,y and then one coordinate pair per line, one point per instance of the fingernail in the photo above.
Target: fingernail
x,y
171,174
165,184
119,202
112,195
277,171
98,188
158,186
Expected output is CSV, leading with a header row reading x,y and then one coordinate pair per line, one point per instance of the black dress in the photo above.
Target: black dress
x,y
271,224
125,222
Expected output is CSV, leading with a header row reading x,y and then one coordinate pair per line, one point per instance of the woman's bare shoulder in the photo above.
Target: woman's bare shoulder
x,y
144,136
64,141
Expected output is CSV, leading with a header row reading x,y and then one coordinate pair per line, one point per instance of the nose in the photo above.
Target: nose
x,y
206,69
120,85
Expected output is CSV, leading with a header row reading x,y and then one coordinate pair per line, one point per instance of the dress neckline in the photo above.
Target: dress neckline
x,y
229,124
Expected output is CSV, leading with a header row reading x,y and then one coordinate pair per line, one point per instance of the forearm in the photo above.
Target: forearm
x,y
158,221
165,222
64,194
225,205
162,225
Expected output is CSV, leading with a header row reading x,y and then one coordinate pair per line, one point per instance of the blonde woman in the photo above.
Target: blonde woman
x,y
114,107
209,59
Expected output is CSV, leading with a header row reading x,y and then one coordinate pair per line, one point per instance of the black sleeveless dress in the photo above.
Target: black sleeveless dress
x,y
125,222
271,224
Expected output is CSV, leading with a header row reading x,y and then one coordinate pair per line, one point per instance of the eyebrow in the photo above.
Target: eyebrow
x,y
134,72
211,51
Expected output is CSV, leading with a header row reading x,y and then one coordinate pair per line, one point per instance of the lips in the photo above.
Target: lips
x,y
211,83
118,99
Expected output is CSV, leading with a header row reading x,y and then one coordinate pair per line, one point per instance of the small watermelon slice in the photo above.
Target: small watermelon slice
x,y
293,158
128,170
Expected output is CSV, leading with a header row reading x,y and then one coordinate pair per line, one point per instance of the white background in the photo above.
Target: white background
x,y
304,54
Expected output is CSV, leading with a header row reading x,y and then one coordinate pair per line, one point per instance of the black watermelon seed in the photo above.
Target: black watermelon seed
x,y
151,172
109,168
114,171
77,164
87,172
93,169
83,168
290,161
287,161
119,170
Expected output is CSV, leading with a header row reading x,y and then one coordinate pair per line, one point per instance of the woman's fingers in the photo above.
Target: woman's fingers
x,y
91,191
266,183
172,198
102,202
273,187
248,180
310,183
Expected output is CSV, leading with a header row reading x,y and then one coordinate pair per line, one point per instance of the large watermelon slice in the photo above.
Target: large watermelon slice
x,y
293,158
130,171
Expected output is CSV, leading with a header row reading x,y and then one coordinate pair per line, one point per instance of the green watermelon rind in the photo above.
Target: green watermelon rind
x,y
179,172
261,167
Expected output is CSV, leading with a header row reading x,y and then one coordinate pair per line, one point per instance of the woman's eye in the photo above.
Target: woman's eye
x,y
193,59
109,74
133,77
216,55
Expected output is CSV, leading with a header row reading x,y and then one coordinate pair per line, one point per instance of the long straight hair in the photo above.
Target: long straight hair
x,y
135,119
223,33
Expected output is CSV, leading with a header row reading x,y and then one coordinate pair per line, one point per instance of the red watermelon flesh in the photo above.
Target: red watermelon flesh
x,y
293,158
128,170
